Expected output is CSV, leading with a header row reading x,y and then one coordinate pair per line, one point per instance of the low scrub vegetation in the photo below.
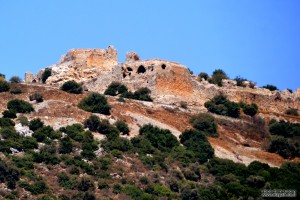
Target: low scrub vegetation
x,y
72,87
206,123
95,103
116,88
38,97
4,85
222,106
20,106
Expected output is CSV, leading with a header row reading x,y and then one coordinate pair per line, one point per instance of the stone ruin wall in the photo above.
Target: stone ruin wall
x,y
169,82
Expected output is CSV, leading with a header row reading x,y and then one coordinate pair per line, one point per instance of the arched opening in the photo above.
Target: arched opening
x,y
124,75
141,69
34,81
163,66
129,69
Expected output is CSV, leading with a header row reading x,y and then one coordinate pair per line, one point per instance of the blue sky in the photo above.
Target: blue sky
x,y
256,39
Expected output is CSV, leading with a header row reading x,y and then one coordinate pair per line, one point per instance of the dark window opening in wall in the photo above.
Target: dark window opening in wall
x,y
124,75
141,69
163,66
129,73
34,81
129,69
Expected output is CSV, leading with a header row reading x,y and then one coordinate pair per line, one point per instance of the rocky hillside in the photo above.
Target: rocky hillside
x,y
159,132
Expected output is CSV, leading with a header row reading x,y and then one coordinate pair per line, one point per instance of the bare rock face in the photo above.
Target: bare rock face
x,y
132,57
83,64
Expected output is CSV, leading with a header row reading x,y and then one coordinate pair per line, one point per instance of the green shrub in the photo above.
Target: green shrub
x,y
280,146
4,86
8,174
23,120
72,87
95,102
142,94
292,111
250,110
15,90
7,133
85,184
217,77
38,187
5,122
9,114
196,142
20,106
41,134
107,129
15,79
92,123
222,106
66,145
206,123
37,97
46,74
162,139
118,143
285,129
270,87
65,181
115,88
35,124
203,75
122,127
102,184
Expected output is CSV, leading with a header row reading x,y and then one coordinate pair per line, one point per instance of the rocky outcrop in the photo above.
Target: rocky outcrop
x,y
169,82
82,65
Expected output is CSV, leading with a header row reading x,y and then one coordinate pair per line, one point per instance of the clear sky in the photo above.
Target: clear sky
x,y
256,39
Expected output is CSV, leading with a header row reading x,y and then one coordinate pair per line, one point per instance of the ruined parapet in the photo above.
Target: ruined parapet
x,y
132,57
30,78
229,83
83,64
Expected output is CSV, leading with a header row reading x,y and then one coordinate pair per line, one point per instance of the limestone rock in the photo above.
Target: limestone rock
x,y
132,57
23,130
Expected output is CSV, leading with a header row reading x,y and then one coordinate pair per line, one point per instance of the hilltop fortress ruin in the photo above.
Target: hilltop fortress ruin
x,y
169,82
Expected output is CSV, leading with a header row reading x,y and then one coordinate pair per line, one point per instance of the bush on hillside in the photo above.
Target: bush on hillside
x,y
46,74
250,110
285,129
142,94
292,111
115,88
15,79
162,139
197,142
222,106
9,114
35,124
217,76
122,127
270,87
38,97
6,122
280,145
4,86
20,106
203,75
15,90
96,103
72,87
92,123
206,123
